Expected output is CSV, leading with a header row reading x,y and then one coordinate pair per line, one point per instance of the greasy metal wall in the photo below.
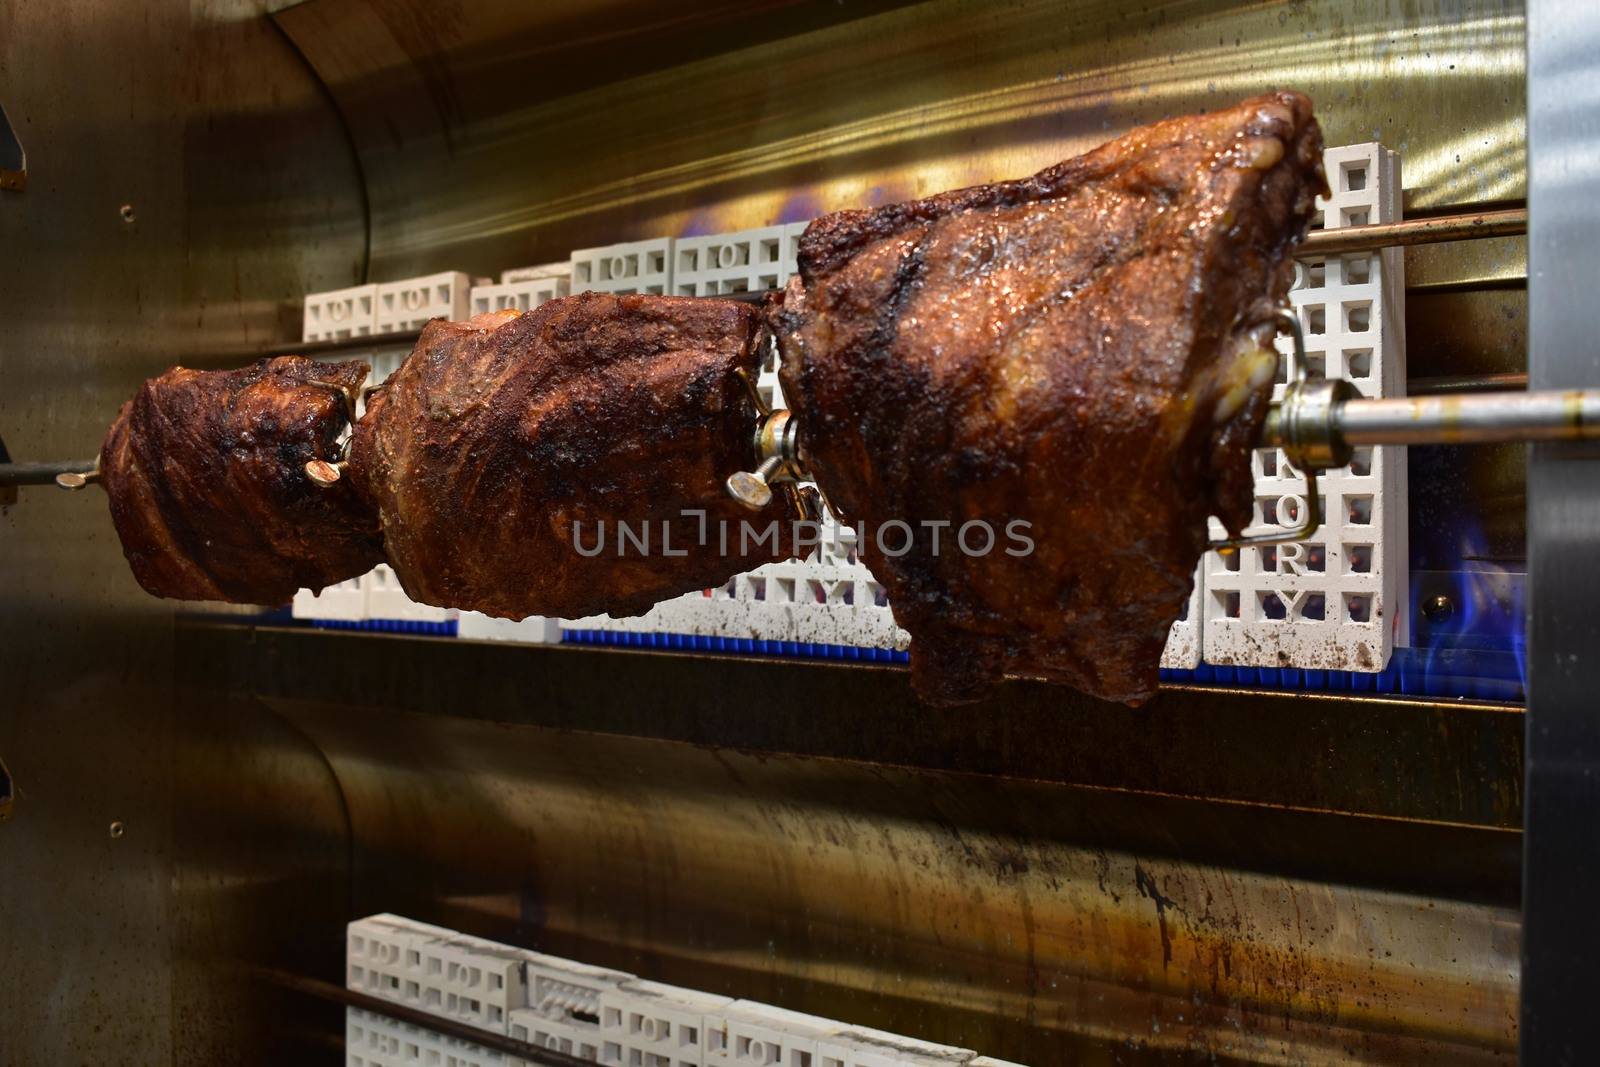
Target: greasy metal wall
x,y
1219,877
498,135
187,180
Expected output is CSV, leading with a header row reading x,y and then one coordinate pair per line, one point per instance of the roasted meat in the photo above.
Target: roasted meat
x,y
1083,351
569,461
206,475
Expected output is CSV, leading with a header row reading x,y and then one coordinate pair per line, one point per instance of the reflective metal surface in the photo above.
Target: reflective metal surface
x,y
906,102
1044,877
1561,858
122,883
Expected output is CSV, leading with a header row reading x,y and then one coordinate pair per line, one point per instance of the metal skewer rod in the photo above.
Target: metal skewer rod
x,y
1464,418
1462,226
1467,383
1458,226
1326,423
1473,418
42,473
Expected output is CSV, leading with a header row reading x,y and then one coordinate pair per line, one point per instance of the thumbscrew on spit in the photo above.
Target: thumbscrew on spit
x,y
77,479
324,474
753,488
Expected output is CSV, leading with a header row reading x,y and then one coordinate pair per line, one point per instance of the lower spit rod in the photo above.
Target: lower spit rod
x,y
1340,417
1317,424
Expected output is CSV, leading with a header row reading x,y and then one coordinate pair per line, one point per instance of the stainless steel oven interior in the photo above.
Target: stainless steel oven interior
x,y
1262,865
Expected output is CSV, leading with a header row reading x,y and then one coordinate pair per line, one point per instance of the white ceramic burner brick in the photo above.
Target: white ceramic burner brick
x,y
1183,640
437,971
343,602
538,271
594,1013
634,267
1336,601
534,630
655,1025
863,1047
748,1034
384,364
767,383
721,263
522,295
409,303
791,240
340,314
373,1040
828,598
387,599
567,989
571,1037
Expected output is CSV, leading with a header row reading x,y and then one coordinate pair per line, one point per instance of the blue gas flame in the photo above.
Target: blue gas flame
x,y
1479,647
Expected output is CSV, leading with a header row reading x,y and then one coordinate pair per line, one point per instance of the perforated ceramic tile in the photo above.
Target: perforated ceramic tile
x,y
562,269
767,383
565,988
748,1034
408,304
522,295
652,1024
593,1013
1182,651
1336,601
632,267
438,971
829,598
340,314
387,599
721,263
534,630
373,1040
863,1047
578,1038
344,602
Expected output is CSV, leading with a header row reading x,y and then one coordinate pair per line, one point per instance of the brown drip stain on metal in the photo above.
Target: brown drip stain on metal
x,y
1148,889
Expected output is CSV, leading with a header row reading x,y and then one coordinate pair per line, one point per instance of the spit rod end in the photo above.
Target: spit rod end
x,y
749,489
77,479
323,474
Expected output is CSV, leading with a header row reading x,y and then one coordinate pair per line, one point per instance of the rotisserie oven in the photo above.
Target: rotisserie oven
x,y
813,535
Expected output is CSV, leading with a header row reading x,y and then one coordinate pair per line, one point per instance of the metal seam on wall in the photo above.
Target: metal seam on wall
x,y
350,143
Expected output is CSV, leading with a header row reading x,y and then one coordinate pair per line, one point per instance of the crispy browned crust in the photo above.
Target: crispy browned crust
x,y
498,434
1053,350
205,471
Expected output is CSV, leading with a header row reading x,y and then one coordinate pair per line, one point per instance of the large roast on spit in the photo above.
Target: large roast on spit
x,y
1084,354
